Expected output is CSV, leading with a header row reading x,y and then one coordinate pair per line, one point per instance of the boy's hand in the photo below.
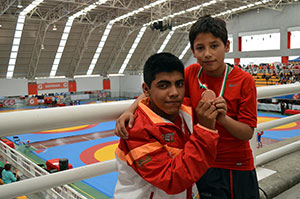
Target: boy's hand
x,y
120,129
221,107
206,113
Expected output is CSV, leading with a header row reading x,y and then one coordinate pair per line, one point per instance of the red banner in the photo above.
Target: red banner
x,y
32,89
106,84
72,86
55,85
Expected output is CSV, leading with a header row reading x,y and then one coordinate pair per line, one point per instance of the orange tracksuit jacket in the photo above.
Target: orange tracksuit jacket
x,y
160,160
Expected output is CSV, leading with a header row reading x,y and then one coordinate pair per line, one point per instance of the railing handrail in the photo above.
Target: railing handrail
x,y
29,121
277,90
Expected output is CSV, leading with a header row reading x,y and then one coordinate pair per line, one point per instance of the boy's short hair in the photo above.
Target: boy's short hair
x,y
161,62
7,167
208,24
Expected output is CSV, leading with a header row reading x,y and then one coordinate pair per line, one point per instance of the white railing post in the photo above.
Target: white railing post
x,y
41,183
21,122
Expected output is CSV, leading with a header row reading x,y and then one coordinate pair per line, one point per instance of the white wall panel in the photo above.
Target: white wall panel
x,y
13,87
89,83
115,86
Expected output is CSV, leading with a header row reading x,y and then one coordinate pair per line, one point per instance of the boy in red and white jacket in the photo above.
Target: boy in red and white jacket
x,y
165,153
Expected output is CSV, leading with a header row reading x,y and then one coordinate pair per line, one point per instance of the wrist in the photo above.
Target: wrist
x,y
222,119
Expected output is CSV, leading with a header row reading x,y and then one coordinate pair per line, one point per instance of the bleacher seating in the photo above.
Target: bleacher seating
x,y
260,80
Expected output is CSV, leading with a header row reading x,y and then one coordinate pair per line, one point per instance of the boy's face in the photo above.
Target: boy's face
x,y
166,94
210,53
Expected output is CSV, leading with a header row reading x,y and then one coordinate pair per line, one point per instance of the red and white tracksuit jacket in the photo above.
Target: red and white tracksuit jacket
x,y
161,160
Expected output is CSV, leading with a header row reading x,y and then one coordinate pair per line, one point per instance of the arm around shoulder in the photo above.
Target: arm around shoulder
x,y
127,116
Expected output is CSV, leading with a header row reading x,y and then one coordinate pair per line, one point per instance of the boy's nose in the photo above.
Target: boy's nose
x,y
173,91
207,53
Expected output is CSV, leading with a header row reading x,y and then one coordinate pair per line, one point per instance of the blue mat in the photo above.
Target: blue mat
x,y
104,183
278,134
281,135
32,137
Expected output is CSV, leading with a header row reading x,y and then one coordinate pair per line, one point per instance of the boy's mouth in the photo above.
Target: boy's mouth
x,y
209,62
173,102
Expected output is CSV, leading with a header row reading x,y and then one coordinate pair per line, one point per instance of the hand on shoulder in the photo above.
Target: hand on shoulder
x,y
120,130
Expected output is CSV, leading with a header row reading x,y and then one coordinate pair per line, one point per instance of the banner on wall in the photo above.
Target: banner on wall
x,y
72,86
106,84
54,85
32,88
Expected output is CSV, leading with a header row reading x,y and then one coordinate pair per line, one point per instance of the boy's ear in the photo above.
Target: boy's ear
x,y
146,89
227,47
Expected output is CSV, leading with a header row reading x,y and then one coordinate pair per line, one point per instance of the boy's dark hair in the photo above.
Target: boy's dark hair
x,y
208,24
7,167
161,62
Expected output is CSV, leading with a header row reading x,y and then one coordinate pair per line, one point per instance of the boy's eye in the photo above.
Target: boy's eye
x,y
214,46
162,86
180,84
200,48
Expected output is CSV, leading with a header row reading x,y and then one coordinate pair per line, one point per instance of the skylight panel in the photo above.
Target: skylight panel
x,y
13,55
110,24
66,33
132,49
11,68
16,41
61,47
17,38
12,62
241,8
185,50
164,44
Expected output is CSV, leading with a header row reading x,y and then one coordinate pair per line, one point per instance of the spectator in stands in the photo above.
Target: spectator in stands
x,y
1,169
283,107
8,176
267,77
1,162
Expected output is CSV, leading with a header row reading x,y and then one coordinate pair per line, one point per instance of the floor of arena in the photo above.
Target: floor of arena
x,y
88,144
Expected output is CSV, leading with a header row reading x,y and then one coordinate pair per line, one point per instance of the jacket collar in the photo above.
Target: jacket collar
x,y
184,111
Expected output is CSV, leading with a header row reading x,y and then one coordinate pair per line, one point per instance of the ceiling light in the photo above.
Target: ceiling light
x,y
42,46
54,27
19,4
0,25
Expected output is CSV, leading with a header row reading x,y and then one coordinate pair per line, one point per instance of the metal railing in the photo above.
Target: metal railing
x,y
40,120
30,170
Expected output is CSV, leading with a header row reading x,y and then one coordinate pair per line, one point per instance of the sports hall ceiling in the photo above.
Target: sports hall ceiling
x,y
38,47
